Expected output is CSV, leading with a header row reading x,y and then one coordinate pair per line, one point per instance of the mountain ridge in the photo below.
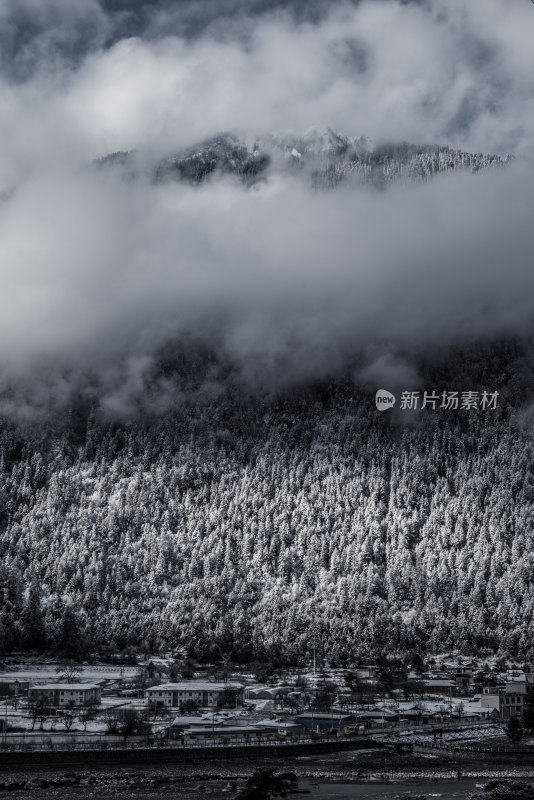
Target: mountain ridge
x,y
326,158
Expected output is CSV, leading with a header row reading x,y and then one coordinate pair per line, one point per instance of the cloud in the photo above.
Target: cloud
x,y
391,371
283,277
286,281
437,72
383,69
48,34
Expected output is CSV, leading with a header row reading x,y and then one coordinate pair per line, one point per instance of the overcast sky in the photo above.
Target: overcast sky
x,y
97,272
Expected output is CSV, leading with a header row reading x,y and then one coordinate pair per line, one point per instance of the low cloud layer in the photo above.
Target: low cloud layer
x,y
286,280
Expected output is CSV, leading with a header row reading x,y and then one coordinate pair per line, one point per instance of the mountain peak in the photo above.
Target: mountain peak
x,y
324,157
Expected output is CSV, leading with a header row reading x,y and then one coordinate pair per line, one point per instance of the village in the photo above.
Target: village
x,y
166,702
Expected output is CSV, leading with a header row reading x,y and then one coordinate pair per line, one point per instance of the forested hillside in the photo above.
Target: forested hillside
x,y
243,523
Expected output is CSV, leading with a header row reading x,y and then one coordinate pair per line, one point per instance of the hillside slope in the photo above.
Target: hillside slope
x,y
244,523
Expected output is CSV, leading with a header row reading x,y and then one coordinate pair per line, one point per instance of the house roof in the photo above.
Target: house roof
x,y
375,714
439,682
61,687
321,715
272,723
272,691
225,729
194,686
179,722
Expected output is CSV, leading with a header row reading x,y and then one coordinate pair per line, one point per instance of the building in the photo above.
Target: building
x,y
13,688
237,731
183,722
462,677
65,694
508,701
287,730
525,680
366,673
439,686
415,715
322,721
235,734
206,695
377,716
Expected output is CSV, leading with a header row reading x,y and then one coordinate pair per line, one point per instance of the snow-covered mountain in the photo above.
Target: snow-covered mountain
x,y
324,158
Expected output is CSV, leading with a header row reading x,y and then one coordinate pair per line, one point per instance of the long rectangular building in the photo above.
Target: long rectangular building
x,y
65,694
206,695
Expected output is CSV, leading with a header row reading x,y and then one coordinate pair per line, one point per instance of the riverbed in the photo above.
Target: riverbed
x,y
444,790
377,775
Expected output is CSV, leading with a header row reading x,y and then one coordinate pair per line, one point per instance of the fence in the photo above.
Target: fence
x,y
27,743
473,749
104,745
169,753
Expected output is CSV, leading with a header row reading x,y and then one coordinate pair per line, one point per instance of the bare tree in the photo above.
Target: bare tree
x,y
293,703
130,722
189,707
68,715
226,656
38,711
69,672
111,718
157,709
228,698
87,714
140,680
325,697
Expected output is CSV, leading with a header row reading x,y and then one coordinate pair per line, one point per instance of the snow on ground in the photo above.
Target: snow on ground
x,y
42,673
474,734
19,717
470,707
261,706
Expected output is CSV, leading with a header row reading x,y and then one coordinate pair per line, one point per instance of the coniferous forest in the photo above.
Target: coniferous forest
x,y
247,521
